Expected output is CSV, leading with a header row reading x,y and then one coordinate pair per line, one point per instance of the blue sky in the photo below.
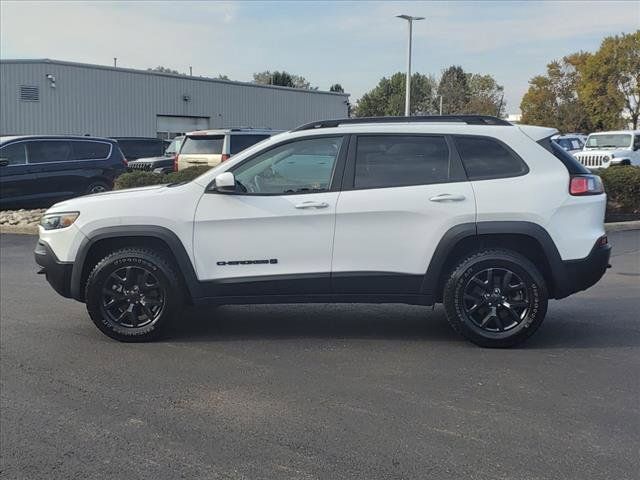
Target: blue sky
x,y
353,43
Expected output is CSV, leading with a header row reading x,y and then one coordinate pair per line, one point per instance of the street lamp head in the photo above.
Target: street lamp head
x,y
409,17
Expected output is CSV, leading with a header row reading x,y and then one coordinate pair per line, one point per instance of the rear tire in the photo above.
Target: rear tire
x,y
495,298
133,295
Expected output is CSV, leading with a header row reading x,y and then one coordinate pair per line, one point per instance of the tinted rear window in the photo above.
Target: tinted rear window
x,y
45,151
485,158
209,145
89,150
133,149
241,142
396,161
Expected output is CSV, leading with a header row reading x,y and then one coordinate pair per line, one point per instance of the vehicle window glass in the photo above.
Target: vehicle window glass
x,y
576,145
305,166
15,153
208,145
45,151
174,146
89,150
396,161
609,140
636,142
487,158
242,142
133,149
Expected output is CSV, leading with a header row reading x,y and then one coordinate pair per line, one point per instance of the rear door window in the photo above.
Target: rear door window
x,y
82,150
242,142
14,153
398,160
485,158
205,145
47,151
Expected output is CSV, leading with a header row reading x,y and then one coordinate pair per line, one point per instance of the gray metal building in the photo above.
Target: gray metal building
x,y
55,97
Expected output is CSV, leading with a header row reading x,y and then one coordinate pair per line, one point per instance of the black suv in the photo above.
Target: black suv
x,y
161,164
134,148
41,170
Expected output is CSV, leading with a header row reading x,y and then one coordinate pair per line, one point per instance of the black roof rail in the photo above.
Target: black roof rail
x,y
468,119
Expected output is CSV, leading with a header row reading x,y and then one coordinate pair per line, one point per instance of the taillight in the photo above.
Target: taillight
x,y
175,163
225,156
585,185
125,162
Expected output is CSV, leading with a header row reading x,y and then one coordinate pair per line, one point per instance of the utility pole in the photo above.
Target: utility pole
x,y
407,98
190,71
115,62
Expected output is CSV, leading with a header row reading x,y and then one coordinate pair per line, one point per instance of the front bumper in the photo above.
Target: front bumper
x,y
586,272
58,273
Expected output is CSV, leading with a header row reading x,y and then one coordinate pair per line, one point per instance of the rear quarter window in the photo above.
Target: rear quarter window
x,y
205,145
89,150
485,158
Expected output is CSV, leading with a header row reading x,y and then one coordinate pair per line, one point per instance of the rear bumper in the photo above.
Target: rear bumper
x,y
584,273
58,273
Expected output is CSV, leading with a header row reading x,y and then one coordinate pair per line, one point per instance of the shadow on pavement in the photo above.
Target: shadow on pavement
x,y
561,330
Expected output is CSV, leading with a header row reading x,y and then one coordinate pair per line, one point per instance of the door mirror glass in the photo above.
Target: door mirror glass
x,y
225,182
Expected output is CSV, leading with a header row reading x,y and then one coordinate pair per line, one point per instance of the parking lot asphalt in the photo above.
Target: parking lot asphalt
x,y
319,391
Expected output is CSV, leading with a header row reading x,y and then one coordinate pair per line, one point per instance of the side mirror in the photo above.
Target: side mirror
x,y
4,162
225,182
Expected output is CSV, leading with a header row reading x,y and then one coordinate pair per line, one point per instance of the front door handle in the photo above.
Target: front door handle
x,y
447,197
312,204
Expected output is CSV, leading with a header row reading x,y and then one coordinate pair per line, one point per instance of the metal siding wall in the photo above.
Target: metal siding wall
x,y
121,103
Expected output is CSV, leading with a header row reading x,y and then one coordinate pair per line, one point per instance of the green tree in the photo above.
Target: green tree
x,y
162,69
387,98
336,87
610,86
454,90
283,79
486,97
553,99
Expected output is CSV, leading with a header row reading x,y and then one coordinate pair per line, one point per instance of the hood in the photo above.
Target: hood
x,y
151,159
78,202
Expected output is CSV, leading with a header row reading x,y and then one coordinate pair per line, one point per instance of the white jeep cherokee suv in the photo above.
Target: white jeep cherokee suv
x,y
489,218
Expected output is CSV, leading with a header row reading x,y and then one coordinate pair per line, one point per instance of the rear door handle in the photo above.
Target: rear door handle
x,y
447,197
312,204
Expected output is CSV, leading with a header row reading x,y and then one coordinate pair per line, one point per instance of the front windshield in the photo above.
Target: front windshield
x,y
174,146
609,140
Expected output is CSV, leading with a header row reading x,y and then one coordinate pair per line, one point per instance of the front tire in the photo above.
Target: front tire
x,y
133,294
495,298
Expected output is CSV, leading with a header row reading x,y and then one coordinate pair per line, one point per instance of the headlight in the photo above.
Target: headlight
x,y
55,221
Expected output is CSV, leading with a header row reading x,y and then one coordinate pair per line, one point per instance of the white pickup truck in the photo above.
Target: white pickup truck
x,y
606,149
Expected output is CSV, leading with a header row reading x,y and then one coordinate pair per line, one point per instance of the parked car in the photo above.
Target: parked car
x,y
606,149
571,143
41,170
161,164
210,147
489,218
134,148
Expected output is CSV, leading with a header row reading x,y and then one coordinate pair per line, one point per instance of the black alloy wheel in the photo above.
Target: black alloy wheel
x,y
496,300
132,297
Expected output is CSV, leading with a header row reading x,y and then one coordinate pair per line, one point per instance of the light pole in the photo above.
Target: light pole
x,y
407,99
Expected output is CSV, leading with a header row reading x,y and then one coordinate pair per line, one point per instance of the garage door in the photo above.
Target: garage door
x,y
169,127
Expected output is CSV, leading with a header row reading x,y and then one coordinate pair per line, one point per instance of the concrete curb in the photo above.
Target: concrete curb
x,y
33,229
622,226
